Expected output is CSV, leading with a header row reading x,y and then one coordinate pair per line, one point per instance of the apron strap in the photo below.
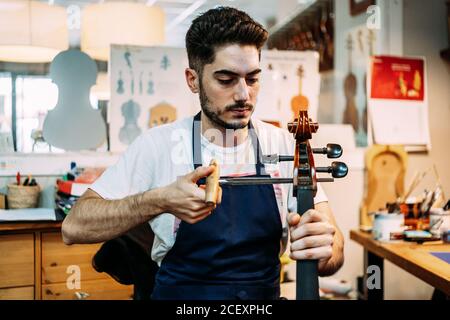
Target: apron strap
x,y
197,145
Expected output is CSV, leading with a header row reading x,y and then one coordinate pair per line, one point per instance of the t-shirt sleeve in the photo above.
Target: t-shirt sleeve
x,y
132,173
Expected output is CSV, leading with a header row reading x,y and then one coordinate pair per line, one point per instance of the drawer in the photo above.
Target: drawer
x,y
16,260
58,257
105,289
22,293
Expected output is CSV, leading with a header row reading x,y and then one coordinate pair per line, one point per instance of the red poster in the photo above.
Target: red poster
x,y
397,78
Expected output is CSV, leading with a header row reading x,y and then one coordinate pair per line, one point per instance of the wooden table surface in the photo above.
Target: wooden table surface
x,y
412,257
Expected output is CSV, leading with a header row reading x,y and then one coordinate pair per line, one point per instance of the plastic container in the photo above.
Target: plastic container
x,y
387,225
439,221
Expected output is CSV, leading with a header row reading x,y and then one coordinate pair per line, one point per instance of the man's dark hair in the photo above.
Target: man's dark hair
x,y
218,27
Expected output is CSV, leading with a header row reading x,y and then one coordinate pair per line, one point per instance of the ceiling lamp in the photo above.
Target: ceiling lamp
x,y
31,31
122,23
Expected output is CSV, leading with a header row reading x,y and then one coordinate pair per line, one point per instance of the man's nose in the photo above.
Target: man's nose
x,y
241,91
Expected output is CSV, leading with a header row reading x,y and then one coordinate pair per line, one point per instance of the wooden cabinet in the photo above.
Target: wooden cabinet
x,y
67,272
20,293
103,289
16,266
36,264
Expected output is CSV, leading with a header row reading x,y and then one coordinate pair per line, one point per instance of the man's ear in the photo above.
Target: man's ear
x,y
192,79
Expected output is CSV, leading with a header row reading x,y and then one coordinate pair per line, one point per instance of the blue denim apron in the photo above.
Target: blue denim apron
x,y
233,253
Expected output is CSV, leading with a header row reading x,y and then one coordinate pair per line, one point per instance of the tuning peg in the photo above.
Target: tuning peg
x,y
337,169
332,150
275,158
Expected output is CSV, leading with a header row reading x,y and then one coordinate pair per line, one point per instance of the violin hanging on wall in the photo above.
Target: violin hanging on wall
x,y
350,83
299,102
73,124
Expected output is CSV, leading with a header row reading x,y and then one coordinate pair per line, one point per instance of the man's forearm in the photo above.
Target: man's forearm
x,y
94,219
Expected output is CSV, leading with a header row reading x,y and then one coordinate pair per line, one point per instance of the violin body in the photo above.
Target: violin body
x,y
350,112
299,102
130,130
73,124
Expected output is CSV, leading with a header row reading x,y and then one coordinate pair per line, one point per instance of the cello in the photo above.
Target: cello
x,y
304,181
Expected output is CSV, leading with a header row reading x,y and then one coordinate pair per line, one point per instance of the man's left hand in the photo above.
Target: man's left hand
x,y
311,235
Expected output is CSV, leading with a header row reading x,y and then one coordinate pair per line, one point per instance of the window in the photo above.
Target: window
x,y
35,96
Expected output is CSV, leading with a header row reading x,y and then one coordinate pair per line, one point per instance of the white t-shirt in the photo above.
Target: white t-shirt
x,y
161,154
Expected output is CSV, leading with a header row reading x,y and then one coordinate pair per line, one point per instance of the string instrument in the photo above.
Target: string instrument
x,y
74,124
120,89
350,112
130,129
299,102
304,181
327,49
371,39
150,85
127,57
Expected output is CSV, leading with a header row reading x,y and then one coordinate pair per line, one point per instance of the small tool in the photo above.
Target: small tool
x,y
212,185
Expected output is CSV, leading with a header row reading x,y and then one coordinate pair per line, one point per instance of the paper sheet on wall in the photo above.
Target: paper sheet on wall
x,y
281,81
145,79
398,102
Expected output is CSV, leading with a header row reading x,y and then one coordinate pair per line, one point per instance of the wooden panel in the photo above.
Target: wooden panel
x,y
16,260
22,293
106,289
57,257
37,266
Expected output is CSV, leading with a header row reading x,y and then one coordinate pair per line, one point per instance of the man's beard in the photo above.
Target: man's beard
x,y
215,116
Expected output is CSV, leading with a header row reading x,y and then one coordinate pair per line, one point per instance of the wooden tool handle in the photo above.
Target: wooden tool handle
x,y
212,184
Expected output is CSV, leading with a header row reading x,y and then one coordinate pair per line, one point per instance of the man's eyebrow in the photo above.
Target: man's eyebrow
x,y
234,74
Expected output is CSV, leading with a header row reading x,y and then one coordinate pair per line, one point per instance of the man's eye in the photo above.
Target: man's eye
x,y
225,81
252,80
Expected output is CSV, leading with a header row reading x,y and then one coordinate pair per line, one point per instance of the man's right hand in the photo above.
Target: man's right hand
x,y
186,200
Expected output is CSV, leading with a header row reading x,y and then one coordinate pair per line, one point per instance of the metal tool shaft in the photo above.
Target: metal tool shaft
x,y
253,181
259,181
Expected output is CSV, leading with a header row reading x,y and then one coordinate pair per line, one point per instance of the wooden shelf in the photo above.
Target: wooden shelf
x,y
286,23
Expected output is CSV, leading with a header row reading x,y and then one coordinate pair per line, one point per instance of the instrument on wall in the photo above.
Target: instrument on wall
x,y
299,102
371,39
130,129
351,112
120,89
311,29
304,181
386,167
326,27
73,124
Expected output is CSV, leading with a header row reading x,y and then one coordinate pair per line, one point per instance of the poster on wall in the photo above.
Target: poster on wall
x,y
398,103
148,89
289,80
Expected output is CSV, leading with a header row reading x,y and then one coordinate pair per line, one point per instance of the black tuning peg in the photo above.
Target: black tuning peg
x,y
337,169
332,150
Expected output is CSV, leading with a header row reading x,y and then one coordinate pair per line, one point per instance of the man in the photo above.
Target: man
x,y
228,251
